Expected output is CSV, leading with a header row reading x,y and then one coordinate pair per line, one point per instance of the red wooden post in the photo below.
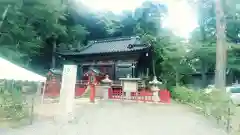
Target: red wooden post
x,y
144,96
110,93
162,96
168,100
92,93
165,96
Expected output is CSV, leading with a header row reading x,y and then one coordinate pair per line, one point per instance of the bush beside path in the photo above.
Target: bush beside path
x,y
216,106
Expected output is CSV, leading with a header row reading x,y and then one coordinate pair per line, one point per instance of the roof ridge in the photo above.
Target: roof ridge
x,y
114,39
106,40
84,47
111,40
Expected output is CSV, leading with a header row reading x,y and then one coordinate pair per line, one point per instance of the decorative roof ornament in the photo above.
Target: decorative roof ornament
x,y
130,46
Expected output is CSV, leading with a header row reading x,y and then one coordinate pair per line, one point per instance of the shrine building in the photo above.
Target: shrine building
x,y
116,57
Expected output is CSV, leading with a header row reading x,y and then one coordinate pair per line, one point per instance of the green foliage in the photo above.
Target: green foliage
x,y
12,105
201,46
203,39
29,29
13,97
216,104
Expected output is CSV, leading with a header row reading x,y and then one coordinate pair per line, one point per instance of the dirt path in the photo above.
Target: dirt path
x,y
118,118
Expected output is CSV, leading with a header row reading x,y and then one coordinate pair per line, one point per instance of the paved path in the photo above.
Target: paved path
x,y
118,118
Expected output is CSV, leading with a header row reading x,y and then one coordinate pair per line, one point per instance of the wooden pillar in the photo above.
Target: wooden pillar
x,y
134,69
92,93
80,71
114,70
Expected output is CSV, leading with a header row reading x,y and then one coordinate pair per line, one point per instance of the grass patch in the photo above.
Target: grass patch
x,y
13,110
216,105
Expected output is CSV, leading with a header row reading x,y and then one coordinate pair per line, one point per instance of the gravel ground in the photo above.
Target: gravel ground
x,y
124,118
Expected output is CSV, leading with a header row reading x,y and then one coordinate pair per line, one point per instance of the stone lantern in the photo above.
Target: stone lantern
x,y
154,87
105,84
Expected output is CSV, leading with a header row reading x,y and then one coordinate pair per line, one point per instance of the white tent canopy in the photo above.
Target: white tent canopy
x,y
11,71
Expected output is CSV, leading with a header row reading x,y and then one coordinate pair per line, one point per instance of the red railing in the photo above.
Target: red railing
x,y
141,96
52,88
144,95
115,93
165,96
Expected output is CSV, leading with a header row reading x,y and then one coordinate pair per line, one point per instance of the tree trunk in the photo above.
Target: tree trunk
x,y
203,63
203,74
4,15
220,73
177,78
54,54
153,67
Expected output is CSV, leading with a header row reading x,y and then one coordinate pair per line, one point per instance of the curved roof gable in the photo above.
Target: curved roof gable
x,y
127,44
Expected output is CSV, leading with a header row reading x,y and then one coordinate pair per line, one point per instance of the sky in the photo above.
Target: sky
x,y
181,19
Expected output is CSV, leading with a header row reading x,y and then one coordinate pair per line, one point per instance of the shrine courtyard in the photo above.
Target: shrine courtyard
x,y
120,118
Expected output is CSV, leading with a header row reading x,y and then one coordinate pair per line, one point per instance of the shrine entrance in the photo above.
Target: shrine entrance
x,y
103,69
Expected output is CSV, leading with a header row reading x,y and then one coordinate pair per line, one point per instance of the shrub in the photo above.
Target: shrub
x,y
216,104
11,106
12,98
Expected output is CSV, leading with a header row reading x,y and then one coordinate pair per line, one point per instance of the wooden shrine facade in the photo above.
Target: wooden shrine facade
x,y
117,57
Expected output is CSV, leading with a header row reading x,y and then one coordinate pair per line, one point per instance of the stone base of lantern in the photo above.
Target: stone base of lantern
x,y
105,92
99,91
156,96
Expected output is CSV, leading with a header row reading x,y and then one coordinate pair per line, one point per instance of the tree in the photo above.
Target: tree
x,y
17,36
175,61
202,52
204,37
32,28
221,49
148,25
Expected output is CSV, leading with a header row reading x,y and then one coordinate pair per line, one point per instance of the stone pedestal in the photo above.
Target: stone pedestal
x,y
99,91
129,85
67,92
156,97
106,92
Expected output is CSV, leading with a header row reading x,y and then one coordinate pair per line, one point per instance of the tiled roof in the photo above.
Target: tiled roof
x,y
127,44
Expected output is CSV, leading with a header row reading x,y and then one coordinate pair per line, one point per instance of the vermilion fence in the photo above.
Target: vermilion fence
x,y
144,96
165,96
52,88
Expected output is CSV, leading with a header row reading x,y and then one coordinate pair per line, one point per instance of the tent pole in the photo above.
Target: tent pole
x,y
43,93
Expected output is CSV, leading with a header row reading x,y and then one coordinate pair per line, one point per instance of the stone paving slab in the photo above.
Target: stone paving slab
x,y
125,118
